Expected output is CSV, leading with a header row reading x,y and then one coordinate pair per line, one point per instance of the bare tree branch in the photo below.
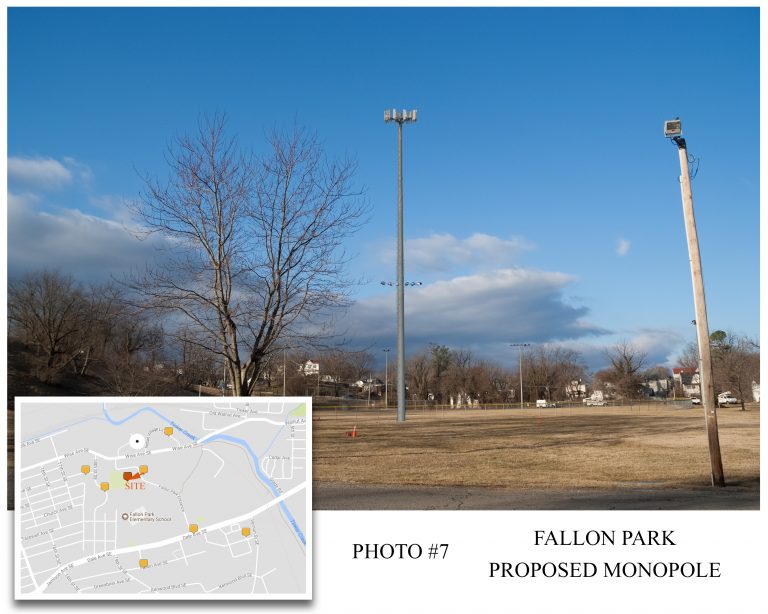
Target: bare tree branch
x,y
257,243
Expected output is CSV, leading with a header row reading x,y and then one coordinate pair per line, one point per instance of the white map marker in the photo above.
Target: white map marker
x,y
137,441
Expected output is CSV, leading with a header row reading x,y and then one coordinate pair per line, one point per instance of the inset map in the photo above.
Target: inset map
x,y
163,498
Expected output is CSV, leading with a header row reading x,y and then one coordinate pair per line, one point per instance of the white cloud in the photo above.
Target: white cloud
x,y
43,236
622,247
38,173
662,347
475,311
82,171
90,248
115,207
443,252
25,199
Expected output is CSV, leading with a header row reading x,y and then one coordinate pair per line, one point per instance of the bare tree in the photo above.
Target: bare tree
x,y
485,382
627,363
440,363
457,379
197,365
447,373
735,363
255,250
549,371
48,311
361,363
104,312
346,366
133,362
87,332
418,374
602,380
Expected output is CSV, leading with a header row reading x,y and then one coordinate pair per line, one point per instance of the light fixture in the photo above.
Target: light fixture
x,y
673,128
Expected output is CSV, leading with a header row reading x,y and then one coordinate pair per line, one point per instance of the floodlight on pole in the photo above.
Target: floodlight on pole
x,y
520,346
673,130
401,117
407,283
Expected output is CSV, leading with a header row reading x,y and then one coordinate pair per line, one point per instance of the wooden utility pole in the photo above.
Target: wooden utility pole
x,y
702,326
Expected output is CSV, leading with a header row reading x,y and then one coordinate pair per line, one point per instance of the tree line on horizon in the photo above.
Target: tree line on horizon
x,y
62,332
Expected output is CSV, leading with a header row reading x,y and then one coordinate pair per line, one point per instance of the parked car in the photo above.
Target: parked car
x,y
596,399
696,400
545,403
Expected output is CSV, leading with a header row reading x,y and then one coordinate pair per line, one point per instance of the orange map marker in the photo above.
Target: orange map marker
x,y
246,531
86,469
143,563
168,430
105,486
193,528
143,469
127,476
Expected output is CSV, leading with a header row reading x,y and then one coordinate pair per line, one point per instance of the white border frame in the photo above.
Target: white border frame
x,y
191,400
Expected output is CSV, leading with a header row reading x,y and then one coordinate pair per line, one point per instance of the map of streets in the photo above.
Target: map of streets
x,y
163,498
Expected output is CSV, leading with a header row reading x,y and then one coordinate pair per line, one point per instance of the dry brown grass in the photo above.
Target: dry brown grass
x,y
564,448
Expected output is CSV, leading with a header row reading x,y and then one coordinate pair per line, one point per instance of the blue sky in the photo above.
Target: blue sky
x,y
542,201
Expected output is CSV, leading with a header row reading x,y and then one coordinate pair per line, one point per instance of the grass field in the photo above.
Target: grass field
x,y
560,448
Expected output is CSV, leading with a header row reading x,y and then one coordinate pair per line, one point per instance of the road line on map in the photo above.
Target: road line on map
x,y
29,567
217,456
244,421
202,422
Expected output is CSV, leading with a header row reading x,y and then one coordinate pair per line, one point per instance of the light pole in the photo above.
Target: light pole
x,y
393,115
673,130
386,378
520,346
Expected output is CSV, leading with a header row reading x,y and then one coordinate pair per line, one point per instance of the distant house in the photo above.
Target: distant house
x,y
657,387
309,368
373,385
688,380
576,389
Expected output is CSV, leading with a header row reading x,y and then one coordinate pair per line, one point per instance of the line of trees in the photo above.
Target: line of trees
x,y
98,332
442,374
68,329
735,362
